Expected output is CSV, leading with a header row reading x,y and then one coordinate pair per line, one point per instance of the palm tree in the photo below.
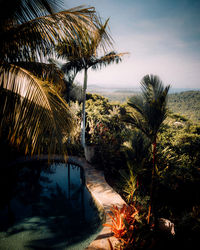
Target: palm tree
x,y
32,114
89,58
70,91
149,112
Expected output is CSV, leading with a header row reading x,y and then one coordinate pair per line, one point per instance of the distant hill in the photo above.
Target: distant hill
x,y
95,87
185,103
103,89
98,88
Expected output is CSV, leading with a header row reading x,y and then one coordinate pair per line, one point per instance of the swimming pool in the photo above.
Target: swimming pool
x,y
46,206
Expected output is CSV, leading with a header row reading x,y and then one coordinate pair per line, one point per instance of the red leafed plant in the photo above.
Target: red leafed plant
x,y
124,223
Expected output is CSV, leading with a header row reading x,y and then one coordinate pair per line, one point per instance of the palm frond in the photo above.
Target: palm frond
x,y
73,65
107,59
153,88
46,72
33,116
137,103
99,40
20,11
150,109
136,121
99,35
37,38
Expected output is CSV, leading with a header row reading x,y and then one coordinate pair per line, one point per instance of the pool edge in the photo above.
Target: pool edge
x,y
103,195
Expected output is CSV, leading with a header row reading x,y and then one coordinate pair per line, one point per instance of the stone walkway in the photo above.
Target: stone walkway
x,y
105,197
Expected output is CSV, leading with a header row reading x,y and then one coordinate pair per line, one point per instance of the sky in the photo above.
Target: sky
x,y
162,37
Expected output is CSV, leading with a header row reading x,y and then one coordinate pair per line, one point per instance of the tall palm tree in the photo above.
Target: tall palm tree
x,y
30,107
149,112
93,55
69,90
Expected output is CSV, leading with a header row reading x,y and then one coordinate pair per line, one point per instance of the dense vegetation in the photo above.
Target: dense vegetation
x,y
128,159
185,103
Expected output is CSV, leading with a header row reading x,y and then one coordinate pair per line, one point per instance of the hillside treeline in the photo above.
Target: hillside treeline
x,y
185,103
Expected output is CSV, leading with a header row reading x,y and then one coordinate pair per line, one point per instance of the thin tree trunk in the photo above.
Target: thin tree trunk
x,y
151,205
83,109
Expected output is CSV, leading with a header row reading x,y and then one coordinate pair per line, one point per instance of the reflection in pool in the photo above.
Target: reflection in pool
x,y
46,207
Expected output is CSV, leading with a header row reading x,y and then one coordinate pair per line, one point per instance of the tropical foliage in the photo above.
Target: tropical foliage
x,y
177,177
184,103
32,113
104,129
149,112
124,222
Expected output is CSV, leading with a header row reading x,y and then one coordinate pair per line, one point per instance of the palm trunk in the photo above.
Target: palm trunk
x,y
151,205
83,109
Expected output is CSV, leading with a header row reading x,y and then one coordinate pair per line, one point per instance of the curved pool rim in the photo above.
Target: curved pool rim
x,y
103,195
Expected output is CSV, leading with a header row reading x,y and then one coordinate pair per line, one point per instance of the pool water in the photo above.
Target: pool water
x,y
46,207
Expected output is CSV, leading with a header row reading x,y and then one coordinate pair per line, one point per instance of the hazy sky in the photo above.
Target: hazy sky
x,y
162,36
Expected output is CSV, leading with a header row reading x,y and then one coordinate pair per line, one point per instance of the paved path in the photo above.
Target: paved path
x,y
105,197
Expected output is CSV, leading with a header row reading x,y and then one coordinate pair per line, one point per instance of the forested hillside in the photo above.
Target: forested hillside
x,y
185,103
118,96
